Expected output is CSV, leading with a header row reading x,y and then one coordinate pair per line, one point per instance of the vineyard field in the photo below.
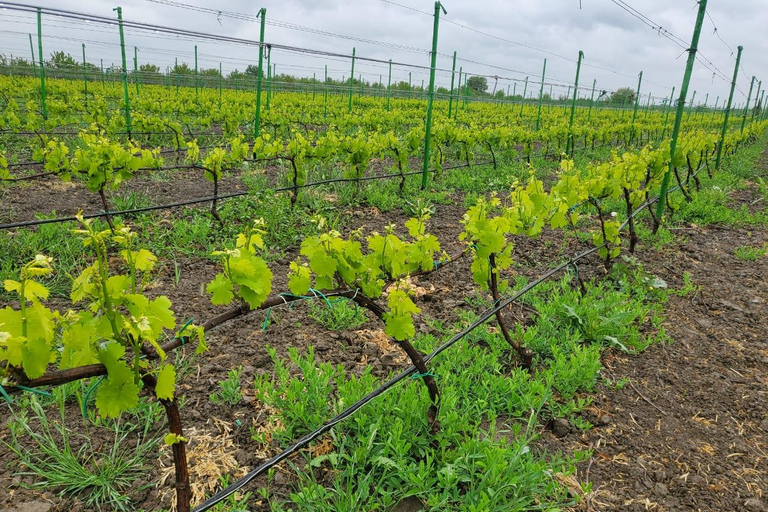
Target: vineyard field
x,y
310,299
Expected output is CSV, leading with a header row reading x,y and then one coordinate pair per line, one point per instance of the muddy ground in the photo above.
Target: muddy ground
x,y
680,427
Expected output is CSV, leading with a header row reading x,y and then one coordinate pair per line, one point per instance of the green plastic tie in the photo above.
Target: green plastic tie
x,y
88,395
266,320
422,375
5,394
319,293
184,338
35,391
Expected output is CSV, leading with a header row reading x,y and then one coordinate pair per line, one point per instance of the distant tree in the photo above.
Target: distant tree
x,y
149,68
252,70
499,95
478,83
236,75
623,95
61,60
182,69
214,72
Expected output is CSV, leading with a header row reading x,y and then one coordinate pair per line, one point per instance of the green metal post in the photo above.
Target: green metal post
x,y
706,100
453,76
351,81
32,49
389,84
728,108
570,144
637,102
760,104
85,80
259,73
314,85
591,100
269,78
746,106
221,79
176,74
690,106
136,68
431,96
125,72
666,115
757,98
196,72
42,62
458,92
522,102
681,107
541,95
325,94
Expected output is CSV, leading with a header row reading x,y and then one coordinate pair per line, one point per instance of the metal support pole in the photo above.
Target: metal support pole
x,y
431,96
351,81
450,96
666,114
522,102
389,84
541,95
591,100
85,80
325,93
269,77
196,72
458,92
690,106
757,98
43,92
728,108
125,72
680,107
32,49
746,106
637,102
136,68
570,144
259,74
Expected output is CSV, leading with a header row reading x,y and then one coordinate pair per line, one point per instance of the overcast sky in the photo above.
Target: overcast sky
x,y
610,37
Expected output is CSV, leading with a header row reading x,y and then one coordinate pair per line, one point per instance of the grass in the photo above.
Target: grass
x,y
65,462
229,389
751,253
337,314
490,409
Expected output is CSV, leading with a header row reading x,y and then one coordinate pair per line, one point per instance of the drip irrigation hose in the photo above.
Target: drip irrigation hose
x,y
409,371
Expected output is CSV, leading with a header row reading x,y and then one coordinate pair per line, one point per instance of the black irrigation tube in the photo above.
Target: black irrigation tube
x,y
40,222
308,438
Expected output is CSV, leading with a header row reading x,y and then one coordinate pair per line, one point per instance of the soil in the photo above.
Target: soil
x,y
680,427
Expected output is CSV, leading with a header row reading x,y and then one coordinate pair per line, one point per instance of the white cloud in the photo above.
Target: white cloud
x,y
610,38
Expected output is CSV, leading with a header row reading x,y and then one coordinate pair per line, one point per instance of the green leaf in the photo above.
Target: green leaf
x,y
118,392
171,439
399,327
78,342
299,279
221,290
36,354
144,260
166,382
